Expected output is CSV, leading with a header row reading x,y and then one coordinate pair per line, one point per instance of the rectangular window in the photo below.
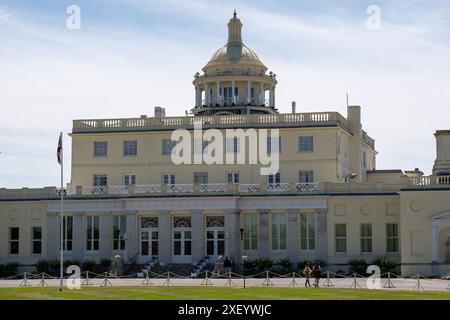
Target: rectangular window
x,y
100,149
392,237
279,231
306,176
233,145
200,177
251,232
366,237
68,233
13,240
167,146
273,144
92,233
100,180
341,237
130,148
232,177
129,179
36,240
305,144
307,231
119,226
168,178
274,178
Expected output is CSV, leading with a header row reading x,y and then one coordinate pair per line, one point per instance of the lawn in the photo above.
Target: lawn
x,y
217,293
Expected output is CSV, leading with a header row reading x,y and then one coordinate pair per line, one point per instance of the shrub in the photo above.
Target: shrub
x,y
285,263
386,264
89,265
71,262
358,266
9,269
104,265
257,266
42,266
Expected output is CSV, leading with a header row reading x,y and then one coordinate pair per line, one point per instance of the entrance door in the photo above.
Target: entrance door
x,y
182,244
215,237
215,243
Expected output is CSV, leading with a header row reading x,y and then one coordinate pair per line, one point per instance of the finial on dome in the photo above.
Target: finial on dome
x,y
234,14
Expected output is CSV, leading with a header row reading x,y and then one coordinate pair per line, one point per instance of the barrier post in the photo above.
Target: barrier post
x,y
328,282
267,282
106,282
389,283
355,283
206,281
147,280
42,283
229,282
418,287
25,282
293,283
167,282
86,281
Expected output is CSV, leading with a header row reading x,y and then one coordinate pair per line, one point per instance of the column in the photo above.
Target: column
x,y
132,235
206,94
197,235
271,96
263,234
218,93
233,83
198,97
322,235
292,233
434,244
249,91
78,239
261,94
232,236
164,223
52,239
105,236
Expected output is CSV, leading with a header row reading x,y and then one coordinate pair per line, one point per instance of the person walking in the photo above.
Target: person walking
x,y
227,264
316,273
307,274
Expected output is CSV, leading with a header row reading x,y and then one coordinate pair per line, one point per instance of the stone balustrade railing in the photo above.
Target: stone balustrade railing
x,y
433,181
240,189
216,121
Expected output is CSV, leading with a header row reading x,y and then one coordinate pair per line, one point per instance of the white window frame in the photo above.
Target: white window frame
x,y
170,177
394,238
34,240
278,237
97,148
233,175
367,238
129,176
10,241
251,232
306,173
127,149
92,240
305,147
66,239
308,236
122,227
336,238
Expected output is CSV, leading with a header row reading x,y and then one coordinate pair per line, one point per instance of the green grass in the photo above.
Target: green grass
x,y
217,293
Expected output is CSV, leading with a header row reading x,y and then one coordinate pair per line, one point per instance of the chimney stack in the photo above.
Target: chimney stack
x,y
160,112
293,106
442,163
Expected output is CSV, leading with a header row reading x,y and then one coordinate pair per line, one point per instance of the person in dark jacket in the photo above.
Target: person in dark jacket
x,y
316,273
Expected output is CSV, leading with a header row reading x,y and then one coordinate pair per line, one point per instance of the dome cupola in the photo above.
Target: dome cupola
x,y
234,81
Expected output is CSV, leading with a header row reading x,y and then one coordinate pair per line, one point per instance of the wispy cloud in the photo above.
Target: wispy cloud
x,y
131,55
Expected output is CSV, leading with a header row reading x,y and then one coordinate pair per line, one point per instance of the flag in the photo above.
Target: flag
x,y
59,153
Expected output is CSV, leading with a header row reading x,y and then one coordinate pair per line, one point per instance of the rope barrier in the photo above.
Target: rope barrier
x,y
86,281
328,283
42,283
418,287
167,282
355,283
25,282
105,282
389,283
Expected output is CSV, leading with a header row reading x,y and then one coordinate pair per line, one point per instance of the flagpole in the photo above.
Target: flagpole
x,y
61,271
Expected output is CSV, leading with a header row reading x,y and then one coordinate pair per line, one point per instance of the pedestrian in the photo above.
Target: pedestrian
x,y
227,264
307,274
316,273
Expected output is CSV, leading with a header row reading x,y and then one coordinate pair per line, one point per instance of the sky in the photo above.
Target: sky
x,y
131,55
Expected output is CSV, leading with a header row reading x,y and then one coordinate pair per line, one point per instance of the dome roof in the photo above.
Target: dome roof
x,y
247,57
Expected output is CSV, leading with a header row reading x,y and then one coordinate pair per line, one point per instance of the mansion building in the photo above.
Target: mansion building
x,y
327,202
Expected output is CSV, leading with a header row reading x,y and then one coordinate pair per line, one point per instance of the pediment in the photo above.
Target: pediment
x,y
441,216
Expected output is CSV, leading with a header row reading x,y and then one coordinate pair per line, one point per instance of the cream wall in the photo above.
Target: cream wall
x,y
326,162
25,215
354,210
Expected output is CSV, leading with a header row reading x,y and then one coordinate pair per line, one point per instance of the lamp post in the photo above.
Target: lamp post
x,y
244,257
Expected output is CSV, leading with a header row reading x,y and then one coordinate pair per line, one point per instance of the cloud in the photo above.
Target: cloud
x,y
144,53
